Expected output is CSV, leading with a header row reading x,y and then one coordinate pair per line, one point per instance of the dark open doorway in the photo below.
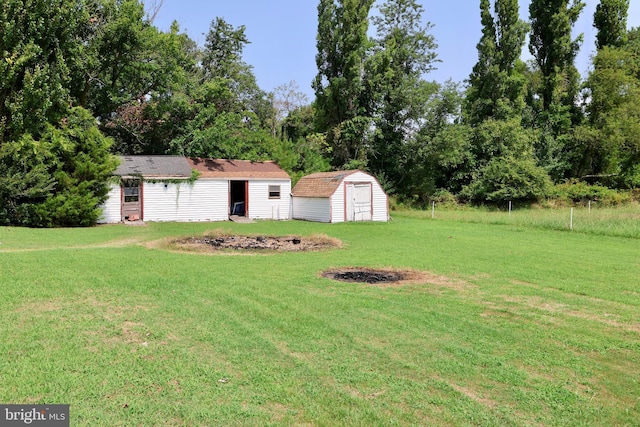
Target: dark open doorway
x,y
238,195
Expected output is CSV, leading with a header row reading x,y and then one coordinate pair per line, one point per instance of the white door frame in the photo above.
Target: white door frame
x,y
358,209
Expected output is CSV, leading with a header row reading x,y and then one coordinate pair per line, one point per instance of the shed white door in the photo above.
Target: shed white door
x,y
358,202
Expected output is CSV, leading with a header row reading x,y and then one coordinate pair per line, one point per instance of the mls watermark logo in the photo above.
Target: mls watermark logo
x,y
34,415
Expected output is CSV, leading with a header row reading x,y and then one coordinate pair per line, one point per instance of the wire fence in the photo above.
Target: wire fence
x,y
623,221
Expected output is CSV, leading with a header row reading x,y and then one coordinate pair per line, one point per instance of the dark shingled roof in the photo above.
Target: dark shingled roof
x,y
219,168
154,166
321,184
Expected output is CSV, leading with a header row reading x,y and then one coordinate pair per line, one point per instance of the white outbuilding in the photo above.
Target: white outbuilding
x,y
340,196
175,188
256,190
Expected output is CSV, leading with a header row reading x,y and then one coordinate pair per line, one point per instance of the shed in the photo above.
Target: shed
x,y
164,188
339,197
256,190
148,188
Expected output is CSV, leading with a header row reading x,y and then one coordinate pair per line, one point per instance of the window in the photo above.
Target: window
x,y
274,191
131,190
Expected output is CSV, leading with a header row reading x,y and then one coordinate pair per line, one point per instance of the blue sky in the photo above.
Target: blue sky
x,y
282,34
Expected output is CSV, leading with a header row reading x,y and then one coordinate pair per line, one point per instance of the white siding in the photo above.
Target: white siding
x,y
380,203
261,207
379,200
333,209
111,208
311,209
337,204
204,200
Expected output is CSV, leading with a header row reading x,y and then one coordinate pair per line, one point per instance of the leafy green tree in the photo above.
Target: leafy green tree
x,y
342,44
608,146
39,41
398,96
299,123
129,74
286,99
500,149
222,63
298,157
502,162
229,114
502,138
115,69
148,124
554,50
222,56
446,161
439,154
610,19
218,127
82,167
54,161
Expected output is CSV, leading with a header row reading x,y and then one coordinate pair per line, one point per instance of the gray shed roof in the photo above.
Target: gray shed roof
x,y
154,166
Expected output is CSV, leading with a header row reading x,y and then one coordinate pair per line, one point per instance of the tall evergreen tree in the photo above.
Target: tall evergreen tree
x,y
222,56
342,43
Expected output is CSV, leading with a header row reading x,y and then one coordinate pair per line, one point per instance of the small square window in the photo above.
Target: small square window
x,y
274,191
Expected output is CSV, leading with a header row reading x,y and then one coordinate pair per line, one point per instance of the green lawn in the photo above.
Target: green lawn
x,y
518,325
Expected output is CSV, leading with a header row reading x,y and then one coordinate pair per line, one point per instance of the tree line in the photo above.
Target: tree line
x,y
83,80
510,132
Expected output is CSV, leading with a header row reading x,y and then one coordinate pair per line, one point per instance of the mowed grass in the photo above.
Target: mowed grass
x,y
516,325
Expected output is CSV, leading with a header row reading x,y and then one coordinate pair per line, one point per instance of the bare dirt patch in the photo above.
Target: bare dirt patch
x,y
471,394
217,241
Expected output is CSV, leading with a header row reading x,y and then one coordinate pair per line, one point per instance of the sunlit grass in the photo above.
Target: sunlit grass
x,y
514,325
621,221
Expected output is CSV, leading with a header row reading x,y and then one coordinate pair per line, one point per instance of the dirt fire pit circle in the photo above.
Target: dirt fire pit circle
x,y
371,276
217,241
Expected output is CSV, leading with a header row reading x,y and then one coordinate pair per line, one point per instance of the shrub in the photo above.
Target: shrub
x,y
578,192
444,198
508,179
59,180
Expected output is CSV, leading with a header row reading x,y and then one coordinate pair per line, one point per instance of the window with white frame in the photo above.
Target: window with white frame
x,y
274,191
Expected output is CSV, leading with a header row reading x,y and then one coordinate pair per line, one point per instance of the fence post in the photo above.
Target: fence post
x,y
571,220
433,210
509,207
